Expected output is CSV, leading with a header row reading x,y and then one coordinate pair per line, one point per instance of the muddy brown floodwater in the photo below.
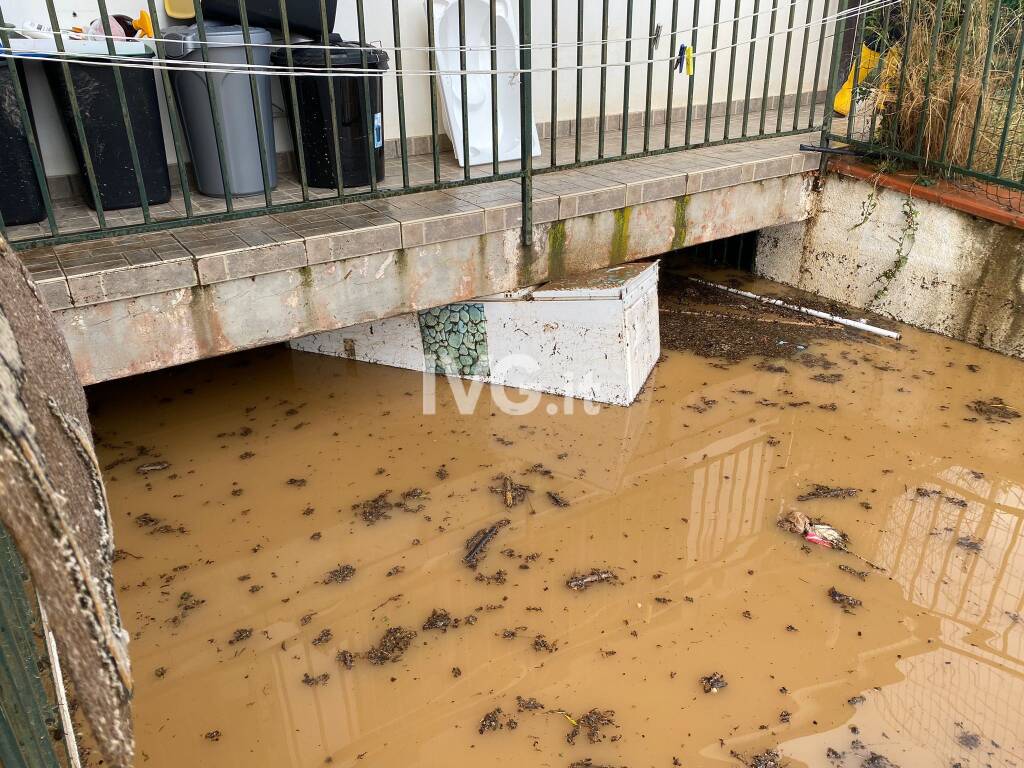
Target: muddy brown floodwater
x,y
315,572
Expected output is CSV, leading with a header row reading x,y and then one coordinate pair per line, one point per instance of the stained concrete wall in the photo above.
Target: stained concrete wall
x,y
954,274
128,336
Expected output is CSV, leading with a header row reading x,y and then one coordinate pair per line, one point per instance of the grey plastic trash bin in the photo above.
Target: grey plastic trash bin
x,y
238,124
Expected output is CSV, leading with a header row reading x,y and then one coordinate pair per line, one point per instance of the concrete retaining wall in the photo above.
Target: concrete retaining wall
x,y
915,261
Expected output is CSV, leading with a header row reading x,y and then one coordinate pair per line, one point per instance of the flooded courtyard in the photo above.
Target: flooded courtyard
x,y
314,572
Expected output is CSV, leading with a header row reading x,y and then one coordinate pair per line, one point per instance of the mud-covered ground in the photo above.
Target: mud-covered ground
x,y
315,572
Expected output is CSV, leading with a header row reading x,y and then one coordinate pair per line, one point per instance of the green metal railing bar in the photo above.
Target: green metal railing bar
x,y
172,112
126,117
627,69
780,106
30,133
732,66
927,77
25,712
493,30
751,56
435,148
368,116
1011,106
993,30
691,81
858,57
803,64
652,19
463,87
213,92
257,114
332,105
817,65
577,129
708,109
554,82
76,116
526,119
672,64
768,67
403,138
604,79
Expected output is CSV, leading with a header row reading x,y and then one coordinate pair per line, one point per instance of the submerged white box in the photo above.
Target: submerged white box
x,y
594,336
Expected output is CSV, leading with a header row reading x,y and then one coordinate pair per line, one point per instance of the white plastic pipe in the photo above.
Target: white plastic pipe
x,y
858,324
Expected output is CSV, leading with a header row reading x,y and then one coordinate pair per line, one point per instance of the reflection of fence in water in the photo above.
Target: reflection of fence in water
x,y
975,591
981,667
728,496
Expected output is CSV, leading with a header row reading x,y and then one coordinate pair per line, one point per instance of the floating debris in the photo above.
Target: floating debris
x,y
875,760
441,620
592,722
376,509
970,543
212,735
969,740
580,581
557,499
541,643
346,658
315,680
819,491
491,721
713,683
392,645
339,575
862,575
528,705
848,602
323,638
511,492
813,530
767,759
240,635
498,577
476,545
154,466
994,410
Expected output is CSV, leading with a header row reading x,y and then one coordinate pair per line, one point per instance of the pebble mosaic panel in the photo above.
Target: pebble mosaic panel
x,y
455,340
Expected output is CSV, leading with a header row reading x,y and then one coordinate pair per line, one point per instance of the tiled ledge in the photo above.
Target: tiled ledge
x,y
126,267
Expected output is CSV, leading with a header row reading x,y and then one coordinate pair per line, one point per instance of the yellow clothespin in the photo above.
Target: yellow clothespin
x,y
689,60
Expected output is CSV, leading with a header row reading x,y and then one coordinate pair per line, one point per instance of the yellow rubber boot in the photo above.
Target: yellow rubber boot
x,y
868,60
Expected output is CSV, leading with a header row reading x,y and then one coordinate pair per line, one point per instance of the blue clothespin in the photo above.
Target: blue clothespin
x,y
681,59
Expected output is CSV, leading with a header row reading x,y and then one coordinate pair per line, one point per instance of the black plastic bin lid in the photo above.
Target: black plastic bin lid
x,y
344,53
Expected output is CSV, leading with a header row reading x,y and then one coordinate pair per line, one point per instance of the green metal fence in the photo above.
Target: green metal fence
x,y
946,93
29,722
773,54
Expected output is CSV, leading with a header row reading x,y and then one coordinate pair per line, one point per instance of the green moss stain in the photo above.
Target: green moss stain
x,y
620,235
527,261
556,250
401,261
306,277
679,235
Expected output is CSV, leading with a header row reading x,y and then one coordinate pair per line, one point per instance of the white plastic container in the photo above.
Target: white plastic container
x,y
478,87
594,336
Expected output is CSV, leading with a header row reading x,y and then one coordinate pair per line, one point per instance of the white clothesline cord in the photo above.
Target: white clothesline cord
x,y
457,48
180,65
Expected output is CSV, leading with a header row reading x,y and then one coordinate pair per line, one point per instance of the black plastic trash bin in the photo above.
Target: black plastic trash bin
x,y
355,127
303,15
105,131
21,202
